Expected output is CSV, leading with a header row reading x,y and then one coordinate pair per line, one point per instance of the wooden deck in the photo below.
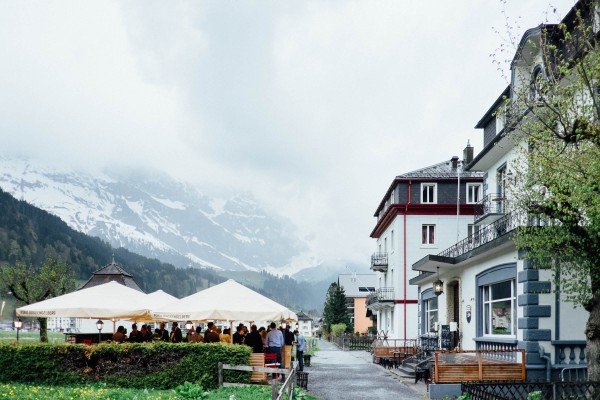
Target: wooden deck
x,y
477,366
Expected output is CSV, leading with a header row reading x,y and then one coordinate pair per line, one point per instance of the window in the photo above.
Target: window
x,y
429,193
473,233
385,245
535,90
392,197
431,314
428,234
392,240
499,308
473,193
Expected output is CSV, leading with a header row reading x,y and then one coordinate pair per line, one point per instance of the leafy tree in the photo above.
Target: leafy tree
x,y
335,309
29,284
555,122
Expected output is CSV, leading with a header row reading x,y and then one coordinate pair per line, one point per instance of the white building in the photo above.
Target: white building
x,y
305,324
423,211
495,296
357,288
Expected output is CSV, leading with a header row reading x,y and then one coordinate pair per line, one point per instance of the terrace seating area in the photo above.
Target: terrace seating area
x,y
479,366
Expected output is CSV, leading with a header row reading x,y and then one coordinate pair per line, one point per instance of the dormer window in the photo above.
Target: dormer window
x,y
429,193
534,85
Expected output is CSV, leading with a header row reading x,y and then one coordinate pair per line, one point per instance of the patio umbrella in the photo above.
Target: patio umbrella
x,y
107,301
228,301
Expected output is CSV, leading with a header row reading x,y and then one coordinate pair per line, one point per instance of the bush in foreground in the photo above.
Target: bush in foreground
x,y
134,365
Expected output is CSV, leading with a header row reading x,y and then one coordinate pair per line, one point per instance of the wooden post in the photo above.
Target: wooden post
x,y
436,368
220,373
273,389
480,367
231,331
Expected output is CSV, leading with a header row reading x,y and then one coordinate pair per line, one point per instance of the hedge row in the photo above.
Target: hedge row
x,y
134,365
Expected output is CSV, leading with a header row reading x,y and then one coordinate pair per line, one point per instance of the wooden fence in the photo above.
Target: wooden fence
x,y
479,365
277,391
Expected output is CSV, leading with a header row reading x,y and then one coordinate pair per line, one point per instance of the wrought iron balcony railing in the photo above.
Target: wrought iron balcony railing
x,y
486,234
379,262
381,295
492,203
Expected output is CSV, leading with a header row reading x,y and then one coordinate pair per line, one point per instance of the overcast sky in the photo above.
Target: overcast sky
x,y
312,106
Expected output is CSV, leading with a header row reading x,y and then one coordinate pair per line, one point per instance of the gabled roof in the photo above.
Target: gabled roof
x,y
302,316
112,273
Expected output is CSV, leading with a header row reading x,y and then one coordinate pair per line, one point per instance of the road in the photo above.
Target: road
x,y
351,375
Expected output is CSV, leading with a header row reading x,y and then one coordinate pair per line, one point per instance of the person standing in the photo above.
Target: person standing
x,y
300,348
135,335
238,336
163,333
289,342
254,340
176,335
275,342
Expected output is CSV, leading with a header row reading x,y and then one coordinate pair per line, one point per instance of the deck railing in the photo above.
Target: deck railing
x,y
381,295
522,390
379,262
492,203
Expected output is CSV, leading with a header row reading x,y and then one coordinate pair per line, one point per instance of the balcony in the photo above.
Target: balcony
x,y
379,262
381,298
492,207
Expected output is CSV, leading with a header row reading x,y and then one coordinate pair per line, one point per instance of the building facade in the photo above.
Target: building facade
x,y
422,211
493,296
358,288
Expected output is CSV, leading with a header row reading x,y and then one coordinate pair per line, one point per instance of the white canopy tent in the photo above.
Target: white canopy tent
x,y
107,301
159,298
228,301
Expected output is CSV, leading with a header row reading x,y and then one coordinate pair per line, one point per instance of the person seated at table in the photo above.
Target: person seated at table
x,y
225,337
238,336
211,335
176,335
254,340
146,333
119,336
163,333
135,335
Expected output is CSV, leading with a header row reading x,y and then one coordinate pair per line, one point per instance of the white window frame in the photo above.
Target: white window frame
x,y
428,310
487,303
429,184
428,235
469,188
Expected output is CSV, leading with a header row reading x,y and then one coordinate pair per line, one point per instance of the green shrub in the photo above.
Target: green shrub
x,y
338,329
537,395
133,365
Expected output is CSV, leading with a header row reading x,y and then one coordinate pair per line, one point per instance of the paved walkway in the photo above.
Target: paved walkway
x,y
351,375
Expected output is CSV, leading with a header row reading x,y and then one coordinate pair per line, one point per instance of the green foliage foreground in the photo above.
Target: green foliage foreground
x,y
102,392
132,365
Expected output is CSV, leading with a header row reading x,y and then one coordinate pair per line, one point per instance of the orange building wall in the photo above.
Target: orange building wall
x,y
361,322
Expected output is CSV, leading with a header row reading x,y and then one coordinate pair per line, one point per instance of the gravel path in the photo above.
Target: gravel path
x,y
351,375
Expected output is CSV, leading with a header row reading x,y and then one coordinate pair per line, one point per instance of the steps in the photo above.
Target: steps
x,y
407,369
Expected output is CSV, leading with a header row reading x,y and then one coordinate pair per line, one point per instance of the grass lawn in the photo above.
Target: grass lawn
x,y
100,392
28,337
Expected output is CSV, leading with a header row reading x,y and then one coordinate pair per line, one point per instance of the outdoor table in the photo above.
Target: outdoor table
x,y
79,338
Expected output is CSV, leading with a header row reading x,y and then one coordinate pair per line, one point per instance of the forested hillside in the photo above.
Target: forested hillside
x,y
30,234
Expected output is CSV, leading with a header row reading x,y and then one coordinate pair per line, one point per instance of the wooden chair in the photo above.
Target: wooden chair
x,y
258,360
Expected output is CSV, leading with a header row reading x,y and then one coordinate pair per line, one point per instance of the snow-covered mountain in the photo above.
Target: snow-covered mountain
x,y
157,216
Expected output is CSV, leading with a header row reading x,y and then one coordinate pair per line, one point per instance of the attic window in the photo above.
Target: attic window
x,y
534,85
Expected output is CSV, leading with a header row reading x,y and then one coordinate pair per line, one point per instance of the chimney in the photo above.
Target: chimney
x,y
454,161
468,154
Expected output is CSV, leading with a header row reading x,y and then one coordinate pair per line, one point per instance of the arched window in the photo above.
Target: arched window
x,y
534,84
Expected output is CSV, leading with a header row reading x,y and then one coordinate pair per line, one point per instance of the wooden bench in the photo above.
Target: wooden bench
x,y
474,366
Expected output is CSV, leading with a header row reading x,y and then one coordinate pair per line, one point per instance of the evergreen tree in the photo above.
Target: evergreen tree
x,y
335,310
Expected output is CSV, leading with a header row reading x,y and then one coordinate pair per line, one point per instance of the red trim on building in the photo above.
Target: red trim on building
x,y
419,209
407,301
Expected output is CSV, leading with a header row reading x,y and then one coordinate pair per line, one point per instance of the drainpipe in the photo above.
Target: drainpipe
x,y
546,357
404,239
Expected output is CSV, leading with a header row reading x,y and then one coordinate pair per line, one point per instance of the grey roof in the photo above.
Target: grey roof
x,y
353,283
112,273
441,170
302,316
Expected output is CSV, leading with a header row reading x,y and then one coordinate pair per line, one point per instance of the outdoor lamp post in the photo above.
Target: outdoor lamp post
x,y
438,286
99,325
189,325
18,324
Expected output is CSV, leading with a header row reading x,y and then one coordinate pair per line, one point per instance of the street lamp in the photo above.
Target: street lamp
x,y
438,286
18,325
99,325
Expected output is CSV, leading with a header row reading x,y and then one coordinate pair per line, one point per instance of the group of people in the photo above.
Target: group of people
x,y
145,334
261,340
